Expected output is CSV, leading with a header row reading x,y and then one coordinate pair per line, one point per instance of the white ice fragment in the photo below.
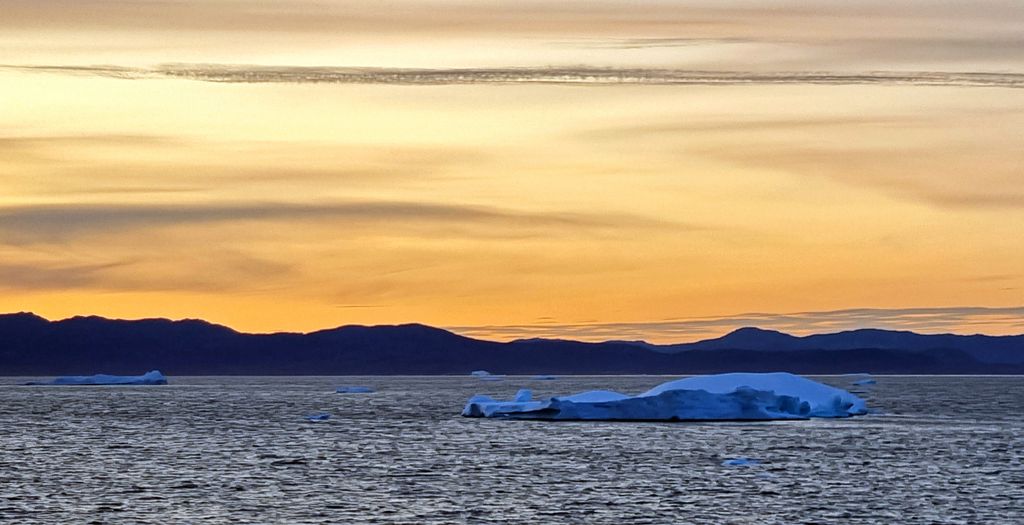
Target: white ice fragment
x,y
318,417
153,377
740,462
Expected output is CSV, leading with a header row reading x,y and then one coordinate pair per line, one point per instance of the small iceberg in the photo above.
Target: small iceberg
x,y
740,462
484,375
722,397
544,378
863,380
153,377
322,416
353,390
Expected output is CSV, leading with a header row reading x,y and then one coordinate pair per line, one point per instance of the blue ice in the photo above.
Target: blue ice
x,y
153,377
737,396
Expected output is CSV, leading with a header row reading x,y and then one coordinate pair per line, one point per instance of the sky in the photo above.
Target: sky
x,y
601,169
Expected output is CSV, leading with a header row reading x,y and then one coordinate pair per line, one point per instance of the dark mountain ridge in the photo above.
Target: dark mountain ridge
x,y
31,345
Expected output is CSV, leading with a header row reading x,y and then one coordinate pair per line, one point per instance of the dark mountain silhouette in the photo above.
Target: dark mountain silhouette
x,y
983,348
31,345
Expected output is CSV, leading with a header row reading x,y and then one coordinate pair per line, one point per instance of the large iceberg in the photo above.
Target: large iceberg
x,y
153,377
737,396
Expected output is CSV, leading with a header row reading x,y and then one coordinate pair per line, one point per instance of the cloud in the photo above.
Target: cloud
x,y
931,174
926,320
23,276
57,222
252,74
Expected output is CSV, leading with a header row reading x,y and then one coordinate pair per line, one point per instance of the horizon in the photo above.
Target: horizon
x,y
482,333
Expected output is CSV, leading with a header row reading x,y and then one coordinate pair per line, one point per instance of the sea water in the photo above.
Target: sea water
x,y
240,450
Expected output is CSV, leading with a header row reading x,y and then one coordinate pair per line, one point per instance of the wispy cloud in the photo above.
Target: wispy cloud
x,y
36,276
926,320
253,74
54,222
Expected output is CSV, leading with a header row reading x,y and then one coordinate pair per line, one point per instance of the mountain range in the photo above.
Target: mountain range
x,y
31,345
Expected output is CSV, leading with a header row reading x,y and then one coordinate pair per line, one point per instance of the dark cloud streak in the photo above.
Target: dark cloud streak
x,y
250,74
43,222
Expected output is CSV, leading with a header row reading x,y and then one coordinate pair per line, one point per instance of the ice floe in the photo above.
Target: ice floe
x,y
740,462
153,377
737,396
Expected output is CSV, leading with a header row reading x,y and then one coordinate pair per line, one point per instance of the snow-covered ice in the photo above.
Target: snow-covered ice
x,y
737,396
353,390
153,377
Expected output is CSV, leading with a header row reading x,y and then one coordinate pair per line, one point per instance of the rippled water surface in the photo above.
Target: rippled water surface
x,y
218,450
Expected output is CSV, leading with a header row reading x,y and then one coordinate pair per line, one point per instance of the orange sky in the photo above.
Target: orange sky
x,y
522,207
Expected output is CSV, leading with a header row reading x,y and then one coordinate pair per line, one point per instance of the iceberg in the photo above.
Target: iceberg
x,y
722,397
353,390
153,377
484,375
544,378
318,417
864,382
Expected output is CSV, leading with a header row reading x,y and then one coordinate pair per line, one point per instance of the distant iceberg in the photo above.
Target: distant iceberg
x,y
153,377
353,390
737,396
544,377
484,375
322,416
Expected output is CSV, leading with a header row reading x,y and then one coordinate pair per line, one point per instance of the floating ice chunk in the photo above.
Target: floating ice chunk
x,y
544,378
523,395
864,382
353,390
740,462
322,416
701,398
484,375
153,377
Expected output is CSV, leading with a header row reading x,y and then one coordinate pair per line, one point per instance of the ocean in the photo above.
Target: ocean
x,y
935,449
